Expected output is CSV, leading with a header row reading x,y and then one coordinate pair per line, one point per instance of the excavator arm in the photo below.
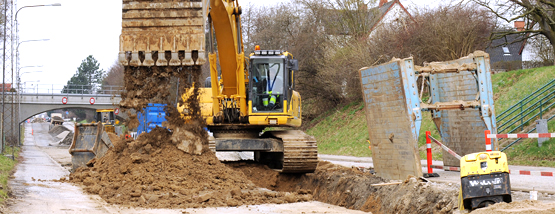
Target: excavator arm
x,y
225,20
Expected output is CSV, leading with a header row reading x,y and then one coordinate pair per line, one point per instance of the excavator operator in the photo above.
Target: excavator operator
x,y
268,85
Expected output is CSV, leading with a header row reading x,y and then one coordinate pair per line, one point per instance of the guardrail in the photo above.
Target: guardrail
x,y
55,89
530,108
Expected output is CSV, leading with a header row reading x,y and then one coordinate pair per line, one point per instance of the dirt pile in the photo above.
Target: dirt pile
x,y
56,130
166,85
38,120
67,140
351,188
525,206
151,172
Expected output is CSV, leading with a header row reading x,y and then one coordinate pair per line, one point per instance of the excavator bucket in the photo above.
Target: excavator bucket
x,y
89,141
162,33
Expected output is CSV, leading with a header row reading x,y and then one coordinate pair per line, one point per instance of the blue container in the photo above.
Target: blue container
x,y
153,116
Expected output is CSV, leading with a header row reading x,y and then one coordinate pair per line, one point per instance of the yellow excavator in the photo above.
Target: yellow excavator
x,y
246,95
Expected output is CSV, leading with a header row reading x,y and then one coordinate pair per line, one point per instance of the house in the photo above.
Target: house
x,y
506,53
389,13
7,87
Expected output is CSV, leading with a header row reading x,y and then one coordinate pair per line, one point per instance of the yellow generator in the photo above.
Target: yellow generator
x,y
485,179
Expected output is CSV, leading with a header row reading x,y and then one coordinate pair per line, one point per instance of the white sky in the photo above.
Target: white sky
x,y
80,28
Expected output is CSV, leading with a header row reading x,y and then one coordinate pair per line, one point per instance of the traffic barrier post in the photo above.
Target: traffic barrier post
x,y
488,141
429,157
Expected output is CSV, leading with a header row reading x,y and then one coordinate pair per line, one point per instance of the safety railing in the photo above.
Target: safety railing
x,y
532,107
518,139
54,89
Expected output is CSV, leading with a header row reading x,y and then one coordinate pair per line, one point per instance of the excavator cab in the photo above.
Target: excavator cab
x,y
271,80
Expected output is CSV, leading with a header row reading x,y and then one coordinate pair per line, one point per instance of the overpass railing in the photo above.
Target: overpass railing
x,y
54,89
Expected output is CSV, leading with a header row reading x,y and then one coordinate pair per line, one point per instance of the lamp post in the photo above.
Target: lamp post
x,y
17,60
17,26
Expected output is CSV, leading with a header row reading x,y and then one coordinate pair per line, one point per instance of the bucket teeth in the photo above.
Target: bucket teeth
x,y
188,59
122,59
175,61
148,59
162,26
201,59
161,59
135,59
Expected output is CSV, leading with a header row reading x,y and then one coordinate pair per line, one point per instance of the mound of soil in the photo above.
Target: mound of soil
x,y
352,188
56,130
525,206
152,172
38,120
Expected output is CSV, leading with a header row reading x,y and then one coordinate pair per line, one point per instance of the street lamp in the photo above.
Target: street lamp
x,y
17,60
17,25
26,72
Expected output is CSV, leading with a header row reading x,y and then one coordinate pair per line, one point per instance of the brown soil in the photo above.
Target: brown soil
x,y
172,167
351,188
151,172
525,206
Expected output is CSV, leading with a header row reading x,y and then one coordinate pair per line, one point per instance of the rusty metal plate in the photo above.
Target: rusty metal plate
x,y
462,130
393,117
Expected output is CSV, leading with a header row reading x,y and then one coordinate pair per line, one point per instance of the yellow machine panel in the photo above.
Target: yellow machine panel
x,y
484,179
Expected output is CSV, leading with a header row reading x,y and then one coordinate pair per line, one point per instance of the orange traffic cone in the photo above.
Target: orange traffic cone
x,y
32,132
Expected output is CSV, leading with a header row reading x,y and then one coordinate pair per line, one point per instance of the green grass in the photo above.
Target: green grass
x,y
6,167
343,131
511,87
528,153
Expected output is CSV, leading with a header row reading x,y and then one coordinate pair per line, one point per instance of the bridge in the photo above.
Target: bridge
x,y
20,104
41,98
33,104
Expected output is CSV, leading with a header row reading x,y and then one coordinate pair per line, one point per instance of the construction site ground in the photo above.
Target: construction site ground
x,y
36,187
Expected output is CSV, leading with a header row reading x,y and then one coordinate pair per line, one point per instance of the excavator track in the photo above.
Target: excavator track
x,y
300,152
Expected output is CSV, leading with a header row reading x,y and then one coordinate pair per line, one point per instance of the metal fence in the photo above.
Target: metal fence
x,y
529,109
71,89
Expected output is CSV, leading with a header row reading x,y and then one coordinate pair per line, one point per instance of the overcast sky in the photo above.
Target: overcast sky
x,y
80,28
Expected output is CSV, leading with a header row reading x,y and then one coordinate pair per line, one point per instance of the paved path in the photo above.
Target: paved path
x,y
32,185
518,182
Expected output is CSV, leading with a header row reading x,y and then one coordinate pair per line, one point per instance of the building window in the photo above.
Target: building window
x,y
506,51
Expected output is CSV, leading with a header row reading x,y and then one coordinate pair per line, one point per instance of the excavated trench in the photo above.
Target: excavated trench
x,y
175,169
354,189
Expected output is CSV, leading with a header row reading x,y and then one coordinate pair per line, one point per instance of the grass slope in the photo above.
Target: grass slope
x,y
6,168
343,131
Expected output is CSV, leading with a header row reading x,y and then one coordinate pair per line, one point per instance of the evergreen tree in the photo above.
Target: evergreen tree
x,y
88,77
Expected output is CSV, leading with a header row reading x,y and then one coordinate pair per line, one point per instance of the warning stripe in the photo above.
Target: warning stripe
x,y
533,135
512,172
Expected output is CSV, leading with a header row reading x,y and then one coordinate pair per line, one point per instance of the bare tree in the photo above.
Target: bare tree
x,y
114,77
541,49
537,14
443,33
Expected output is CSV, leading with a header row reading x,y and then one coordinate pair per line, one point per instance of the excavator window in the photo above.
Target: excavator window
x,y
267,88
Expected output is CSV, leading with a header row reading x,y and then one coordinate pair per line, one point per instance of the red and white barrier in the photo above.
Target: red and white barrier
x,y
446,148
531,135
